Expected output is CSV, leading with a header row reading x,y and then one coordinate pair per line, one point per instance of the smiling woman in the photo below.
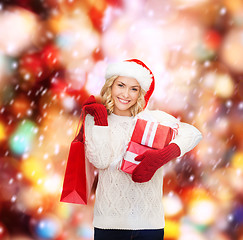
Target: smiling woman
x,y
124,92
118,84
129,206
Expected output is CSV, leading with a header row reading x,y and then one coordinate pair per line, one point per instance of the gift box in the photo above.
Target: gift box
x,y
133,150
152,134
146,136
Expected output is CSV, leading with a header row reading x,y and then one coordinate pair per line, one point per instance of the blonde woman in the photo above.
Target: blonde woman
x,y
129,206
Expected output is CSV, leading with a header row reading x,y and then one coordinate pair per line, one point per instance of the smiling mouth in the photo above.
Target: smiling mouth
x,y
123,101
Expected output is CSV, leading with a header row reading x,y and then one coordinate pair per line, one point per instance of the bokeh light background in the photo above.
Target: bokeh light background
x,y
53,54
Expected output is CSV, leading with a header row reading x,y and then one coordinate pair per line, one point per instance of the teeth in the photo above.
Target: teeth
x,y
123,101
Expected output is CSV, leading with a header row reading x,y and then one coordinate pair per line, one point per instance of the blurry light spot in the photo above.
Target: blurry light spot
x,y
238,172
13,198
54,12
10,48
42,224
75,54
14,65
27,76
173,204
57,149
16,138
10,181
210,150
92,197
44,106
29,112
191,114
207,63
191,178
85,232
240,106
48,166
229,104
69,132
25,155
49,35
69,103
203,211
224,86
230,218
52,184
39,181
19,176
150,13
223,11
39,74
35,130
40,210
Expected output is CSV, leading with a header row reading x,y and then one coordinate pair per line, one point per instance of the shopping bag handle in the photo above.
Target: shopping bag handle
x,y
81,116
79,134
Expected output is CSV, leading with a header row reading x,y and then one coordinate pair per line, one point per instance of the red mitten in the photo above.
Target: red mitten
x,y
90,100
97,110
152,160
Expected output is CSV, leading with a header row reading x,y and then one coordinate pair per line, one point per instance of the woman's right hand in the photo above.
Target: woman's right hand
x,y
97,110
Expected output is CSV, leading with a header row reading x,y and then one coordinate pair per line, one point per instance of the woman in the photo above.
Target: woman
x,y
129,206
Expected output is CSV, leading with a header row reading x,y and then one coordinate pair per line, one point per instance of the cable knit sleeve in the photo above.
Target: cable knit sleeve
x,y
188,136
97,144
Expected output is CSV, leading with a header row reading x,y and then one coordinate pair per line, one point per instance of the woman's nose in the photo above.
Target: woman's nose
x,y
126,93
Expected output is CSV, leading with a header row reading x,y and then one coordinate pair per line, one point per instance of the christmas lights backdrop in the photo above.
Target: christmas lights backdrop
x,y
53,54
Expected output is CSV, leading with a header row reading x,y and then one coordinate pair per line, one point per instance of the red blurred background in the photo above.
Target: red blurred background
x,y
53,55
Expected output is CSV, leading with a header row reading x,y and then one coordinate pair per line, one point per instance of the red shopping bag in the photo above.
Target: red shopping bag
x,y
80,173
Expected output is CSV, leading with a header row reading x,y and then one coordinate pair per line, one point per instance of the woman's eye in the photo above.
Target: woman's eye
x,y
135,89
120,85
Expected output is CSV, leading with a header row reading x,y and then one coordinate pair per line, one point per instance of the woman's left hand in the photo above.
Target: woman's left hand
x,y
152,160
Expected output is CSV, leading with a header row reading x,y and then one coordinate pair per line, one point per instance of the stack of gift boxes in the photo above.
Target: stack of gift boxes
x,y
147,135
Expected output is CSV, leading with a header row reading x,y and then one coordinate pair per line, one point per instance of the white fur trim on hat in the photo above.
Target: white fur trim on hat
x,y
130,69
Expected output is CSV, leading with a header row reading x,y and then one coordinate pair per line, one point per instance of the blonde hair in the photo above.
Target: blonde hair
x,y
109,102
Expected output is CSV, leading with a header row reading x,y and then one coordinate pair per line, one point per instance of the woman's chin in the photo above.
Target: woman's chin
x,y
122,111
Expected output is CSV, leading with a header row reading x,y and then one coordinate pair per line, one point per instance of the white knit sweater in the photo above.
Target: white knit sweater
x,y
121,203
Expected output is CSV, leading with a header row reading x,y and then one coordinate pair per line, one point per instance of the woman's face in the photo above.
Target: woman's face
x,y
124,92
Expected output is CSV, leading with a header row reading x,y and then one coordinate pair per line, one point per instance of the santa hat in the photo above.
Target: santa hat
x,y
133,68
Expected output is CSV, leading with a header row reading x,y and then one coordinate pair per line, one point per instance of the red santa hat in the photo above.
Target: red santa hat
x,y
133,68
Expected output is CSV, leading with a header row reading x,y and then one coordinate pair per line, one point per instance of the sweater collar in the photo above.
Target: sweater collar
x,y
121,118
